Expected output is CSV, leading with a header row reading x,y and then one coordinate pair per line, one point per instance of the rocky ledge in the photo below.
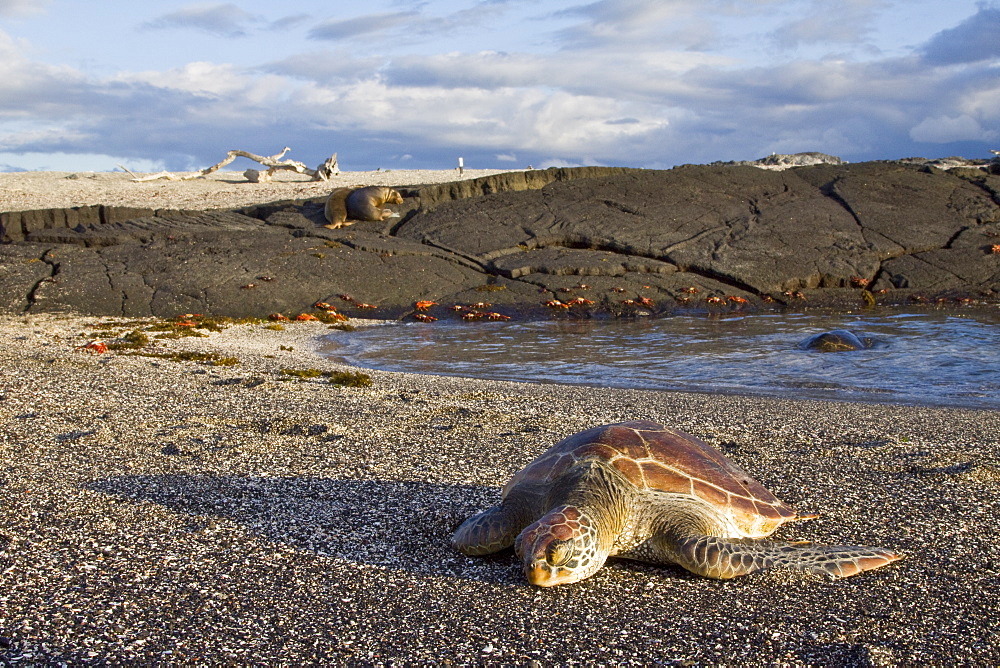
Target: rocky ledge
x,y
561,242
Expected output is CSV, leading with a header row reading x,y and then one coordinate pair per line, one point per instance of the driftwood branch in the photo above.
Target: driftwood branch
x,y
273,163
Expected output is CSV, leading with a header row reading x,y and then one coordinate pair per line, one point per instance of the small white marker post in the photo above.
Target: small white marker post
x,y
461,166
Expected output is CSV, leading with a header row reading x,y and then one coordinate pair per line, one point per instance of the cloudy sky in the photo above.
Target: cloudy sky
x,y
413,84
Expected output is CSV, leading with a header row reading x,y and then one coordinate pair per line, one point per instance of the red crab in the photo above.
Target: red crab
x,y
305,317
859,282
995,249
423,317
714,299
646,301
737,300
424,304
94,347
497,316
364,305
278,317
346,298
323,306
555,303
580,301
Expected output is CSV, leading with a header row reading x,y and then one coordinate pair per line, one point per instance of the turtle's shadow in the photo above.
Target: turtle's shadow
x,y
386,523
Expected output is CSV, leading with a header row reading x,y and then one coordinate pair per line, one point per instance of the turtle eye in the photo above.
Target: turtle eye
x,y
559,552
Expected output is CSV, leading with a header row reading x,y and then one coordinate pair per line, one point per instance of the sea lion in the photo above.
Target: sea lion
x,y
367,203
335,210
345,206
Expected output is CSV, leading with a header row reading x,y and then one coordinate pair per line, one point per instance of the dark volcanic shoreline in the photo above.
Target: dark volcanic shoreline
x,y
608,241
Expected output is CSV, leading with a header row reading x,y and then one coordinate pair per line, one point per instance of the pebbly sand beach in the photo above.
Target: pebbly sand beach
x,y
23,191
161,510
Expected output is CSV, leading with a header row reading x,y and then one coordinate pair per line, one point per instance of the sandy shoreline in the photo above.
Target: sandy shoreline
x,y
25,191
165,511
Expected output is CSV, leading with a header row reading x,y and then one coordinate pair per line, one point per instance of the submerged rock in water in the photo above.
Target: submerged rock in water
x,y
837,340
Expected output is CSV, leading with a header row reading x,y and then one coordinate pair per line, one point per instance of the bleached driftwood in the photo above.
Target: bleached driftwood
x,y
257,176
273,163
327,169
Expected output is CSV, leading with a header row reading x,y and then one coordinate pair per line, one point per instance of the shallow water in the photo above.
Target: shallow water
x,y
926,358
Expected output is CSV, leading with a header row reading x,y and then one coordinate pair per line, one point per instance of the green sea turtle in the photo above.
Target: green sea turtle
x,y
836,341
639,490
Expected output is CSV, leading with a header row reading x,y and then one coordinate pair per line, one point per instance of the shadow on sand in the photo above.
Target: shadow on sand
x,y
383,523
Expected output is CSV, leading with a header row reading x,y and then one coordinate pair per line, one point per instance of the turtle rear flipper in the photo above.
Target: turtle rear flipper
x,y
727,558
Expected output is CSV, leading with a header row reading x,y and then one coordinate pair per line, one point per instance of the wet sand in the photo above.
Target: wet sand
x,y
161,511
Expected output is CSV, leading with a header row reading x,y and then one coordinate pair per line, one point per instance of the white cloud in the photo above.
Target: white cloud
x,y
222,19
944,129
210,79
37,135
286,22
974,39
983,100
333,67
23,7
74,162
33,89
599,87
653,73
425,23
347,29
679,23
549,121
847,21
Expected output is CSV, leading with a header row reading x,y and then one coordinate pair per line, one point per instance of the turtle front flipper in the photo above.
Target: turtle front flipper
x,y
727,558
487,532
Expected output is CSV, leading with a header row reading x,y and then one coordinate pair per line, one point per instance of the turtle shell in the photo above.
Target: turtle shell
x,y
656,458
837,340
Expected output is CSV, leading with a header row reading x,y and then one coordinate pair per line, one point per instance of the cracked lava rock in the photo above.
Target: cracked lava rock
x,y
620,242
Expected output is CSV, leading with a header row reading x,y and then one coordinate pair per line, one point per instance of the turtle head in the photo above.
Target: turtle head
x,y
560,548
